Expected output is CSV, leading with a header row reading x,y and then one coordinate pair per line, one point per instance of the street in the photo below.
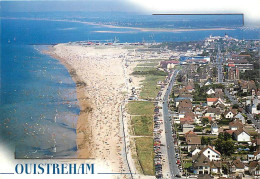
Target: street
x,y
168,131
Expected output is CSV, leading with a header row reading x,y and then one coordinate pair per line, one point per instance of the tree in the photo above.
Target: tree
x,y
235,106
227,136
224,144
205,121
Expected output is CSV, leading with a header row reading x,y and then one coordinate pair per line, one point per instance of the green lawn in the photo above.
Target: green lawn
x,y
143,125
145,154
187,164
150,88
140,108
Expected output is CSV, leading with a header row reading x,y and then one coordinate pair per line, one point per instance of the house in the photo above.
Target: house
x,y
210,101
208,83
185,105
179,99
192,140
214,129
182,110
186,120
187,127
201,164
235,125
189,88
218,93
237,166
214,113
211,153
230,113
190,115
210,91
241,118
216,167
195,151
202,160
254,168
250,157
257,155
255,108
241,135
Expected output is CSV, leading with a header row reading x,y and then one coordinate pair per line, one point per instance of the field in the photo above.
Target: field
x,y
142,114
143,125
144,147
140,108
150,88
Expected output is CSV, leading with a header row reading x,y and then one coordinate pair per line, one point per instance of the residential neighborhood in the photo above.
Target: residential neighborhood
x,y
215,107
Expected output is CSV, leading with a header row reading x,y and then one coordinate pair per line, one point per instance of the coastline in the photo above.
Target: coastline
x,y
99,77
85,108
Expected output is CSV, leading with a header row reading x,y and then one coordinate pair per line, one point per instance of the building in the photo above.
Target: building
x,y
214,129
216,167
187,127
235,125
201,164
210,101
210,91
254,168
213,112
230,113
211,153
205,159
192,140
241,118
241,135
255,109
237,166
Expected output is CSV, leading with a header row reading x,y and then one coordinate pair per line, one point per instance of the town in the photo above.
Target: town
x,y
207,108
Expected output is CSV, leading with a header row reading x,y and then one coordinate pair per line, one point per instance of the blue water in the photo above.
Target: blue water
x,y
39,109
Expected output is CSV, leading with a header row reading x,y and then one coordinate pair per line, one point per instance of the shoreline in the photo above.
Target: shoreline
x,y
84,104
100,85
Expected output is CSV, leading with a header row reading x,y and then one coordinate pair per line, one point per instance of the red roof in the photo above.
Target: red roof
x,y
212,99
189,87
190,132
231,65
188,120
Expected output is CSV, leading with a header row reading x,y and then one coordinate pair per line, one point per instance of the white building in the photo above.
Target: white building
x,y
229,114
211,153
214,129
254,109
210,91
196,151
241,135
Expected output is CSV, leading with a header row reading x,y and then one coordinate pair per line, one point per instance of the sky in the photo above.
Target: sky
x,y
250,8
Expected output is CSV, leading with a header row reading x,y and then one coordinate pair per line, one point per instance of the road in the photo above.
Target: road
x,y
168,130
249,116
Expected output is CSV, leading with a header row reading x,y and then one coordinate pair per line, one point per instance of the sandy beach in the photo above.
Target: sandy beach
x,y
99,76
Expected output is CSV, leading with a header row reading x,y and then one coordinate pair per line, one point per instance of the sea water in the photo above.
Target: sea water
x,y
39,108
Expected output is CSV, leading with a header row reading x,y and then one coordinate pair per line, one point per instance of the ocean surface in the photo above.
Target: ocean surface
x,y
39,109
